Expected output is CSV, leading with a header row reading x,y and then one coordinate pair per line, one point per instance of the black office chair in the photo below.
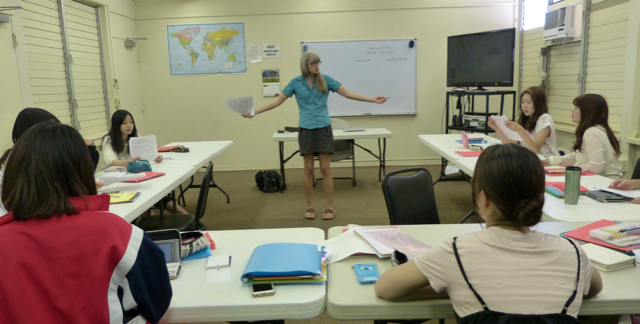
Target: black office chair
x,y
636,171
343,150
182,222
410,198
410,201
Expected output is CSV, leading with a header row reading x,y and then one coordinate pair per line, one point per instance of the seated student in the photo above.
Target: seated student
x,y
65,258
29,117
535,126
115,146
596,148
512,268
622,184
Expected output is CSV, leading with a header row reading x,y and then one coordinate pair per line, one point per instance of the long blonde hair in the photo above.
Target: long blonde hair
x,y
312,58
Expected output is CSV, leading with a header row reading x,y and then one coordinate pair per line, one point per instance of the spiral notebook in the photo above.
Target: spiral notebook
x,y
219,268
219,261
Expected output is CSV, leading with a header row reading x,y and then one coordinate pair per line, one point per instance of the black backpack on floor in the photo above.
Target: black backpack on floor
x,y
268,181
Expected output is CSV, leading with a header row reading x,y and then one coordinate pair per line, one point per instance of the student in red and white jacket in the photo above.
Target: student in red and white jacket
x,y
65,258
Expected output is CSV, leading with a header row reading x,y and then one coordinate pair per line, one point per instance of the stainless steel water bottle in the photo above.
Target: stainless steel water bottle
x,y
572,176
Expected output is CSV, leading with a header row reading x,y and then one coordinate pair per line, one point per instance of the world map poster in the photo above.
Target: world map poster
x,y
207,48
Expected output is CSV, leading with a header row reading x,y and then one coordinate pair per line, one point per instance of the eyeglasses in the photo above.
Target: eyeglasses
x,y
398,258
317,63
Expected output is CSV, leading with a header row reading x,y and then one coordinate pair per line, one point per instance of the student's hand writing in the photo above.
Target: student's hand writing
x,y
248,115
380,99
622,184
545,162
514,127
89,142
132,159
98,185
636,201
159,159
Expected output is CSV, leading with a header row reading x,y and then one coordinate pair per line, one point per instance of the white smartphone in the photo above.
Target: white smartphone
x,y
261,290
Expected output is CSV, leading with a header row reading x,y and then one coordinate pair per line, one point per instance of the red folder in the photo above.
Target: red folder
x,y
556,172
582,234
148,175
166,148
469,153
560,185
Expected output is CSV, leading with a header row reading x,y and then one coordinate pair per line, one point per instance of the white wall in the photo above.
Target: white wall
x,y
182,108
9,83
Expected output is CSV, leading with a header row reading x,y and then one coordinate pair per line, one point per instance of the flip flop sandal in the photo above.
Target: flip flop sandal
x,y
309,213
329,214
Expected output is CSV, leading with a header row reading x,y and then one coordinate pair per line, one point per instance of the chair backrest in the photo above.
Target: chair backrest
x,y
636,171
410,198
204,193
339,124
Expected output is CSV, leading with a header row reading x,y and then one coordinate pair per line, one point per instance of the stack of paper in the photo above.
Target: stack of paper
x,y
285,263
385,241
606,259
119,198
115,177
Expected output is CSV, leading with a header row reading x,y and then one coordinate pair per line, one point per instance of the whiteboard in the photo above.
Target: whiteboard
x,y
371,68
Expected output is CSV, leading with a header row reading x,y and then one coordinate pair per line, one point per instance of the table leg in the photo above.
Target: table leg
x,y
284,181
382,152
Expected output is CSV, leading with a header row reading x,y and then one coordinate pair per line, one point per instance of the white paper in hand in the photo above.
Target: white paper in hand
x,y
240,105
144,147
501,122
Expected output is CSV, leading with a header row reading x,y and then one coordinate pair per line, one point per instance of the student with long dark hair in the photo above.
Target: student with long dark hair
x,y
512,268
596,148
535,126
115,145
316,135
66,259
25,120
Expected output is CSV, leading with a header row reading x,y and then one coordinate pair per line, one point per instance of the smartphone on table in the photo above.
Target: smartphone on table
x,y
367,273
262,290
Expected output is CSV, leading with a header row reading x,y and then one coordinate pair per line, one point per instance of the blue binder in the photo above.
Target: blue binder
x,y
283,260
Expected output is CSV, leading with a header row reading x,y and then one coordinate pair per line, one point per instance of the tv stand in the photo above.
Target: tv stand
x,y
470,95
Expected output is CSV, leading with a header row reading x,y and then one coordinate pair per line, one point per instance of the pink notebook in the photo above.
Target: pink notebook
x,y
560,185
148,175
166,148
556,172
469,153
582,234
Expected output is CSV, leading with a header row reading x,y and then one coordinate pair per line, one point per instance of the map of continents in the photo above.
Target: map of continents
x,y
207,48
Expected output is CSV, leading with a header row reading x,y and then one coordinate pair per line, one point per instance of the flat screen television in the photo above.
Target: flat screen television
x,y
481,59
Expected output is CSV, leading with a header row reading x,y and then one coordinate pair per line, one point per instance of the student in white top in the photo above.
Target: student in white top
x,y
623,184
596,149
514,269
115,146
535,125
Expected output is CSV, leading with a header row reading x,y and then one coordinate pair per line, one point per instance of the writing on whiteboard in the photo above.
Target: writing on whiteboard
x,y
382,50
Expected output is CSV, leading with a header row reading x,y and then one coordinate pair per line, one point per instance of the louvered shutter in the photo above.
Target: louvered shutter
x,y
563,82
607,46
531,43
43,42
88,75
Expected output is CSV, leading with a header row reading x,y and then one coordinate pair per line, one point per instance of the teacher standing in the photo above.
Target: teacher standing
x,y
315,136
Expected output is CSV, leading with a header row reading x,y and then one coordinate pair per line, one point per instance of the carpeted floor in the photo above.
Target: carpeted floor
x,y
363,205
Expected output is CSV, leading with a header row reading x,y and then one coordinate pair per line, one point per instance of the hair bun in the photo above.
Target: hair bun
x,y
529,212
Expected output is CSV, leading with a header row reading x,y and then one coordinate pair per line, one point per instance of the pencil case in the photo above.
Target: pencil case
x,y
139,166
